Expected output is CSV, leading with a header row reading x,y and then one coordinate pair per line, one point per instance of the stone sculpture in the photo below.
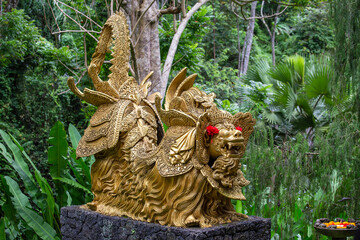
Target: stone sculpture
x,y
184,177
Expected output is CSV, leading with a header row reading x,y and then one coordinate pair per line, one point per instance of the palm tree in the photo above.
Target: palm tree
x,y
301,92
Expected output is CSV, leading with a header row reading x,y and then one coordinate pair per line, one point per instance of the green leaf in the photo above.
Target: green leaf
x,y
73,183
44,199
57,152
20,166
309,230
238,206
319,195
282,73
2,229
17,143
303,103
84,167
303,122
8,207
272,116
297,62
74,136
318,83
290,103
76,173
49,208
258,72
48,205
18,162
281,94
23,207
297,213
225,104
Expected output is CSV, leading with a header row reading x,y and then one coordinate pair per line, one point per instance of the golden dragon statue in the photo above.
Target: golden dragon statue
x,y
185,176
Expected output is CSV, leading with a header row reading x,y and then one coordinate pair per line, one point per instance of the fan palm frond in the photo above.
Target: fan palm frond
x,y
258,72
318,83
303,103
272,116
281,94
297,62
303,122
290,103
282,73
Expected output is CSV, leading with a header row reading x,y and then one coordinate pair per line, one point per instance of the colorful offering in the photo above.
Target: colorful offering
x,y
341,224
338,229
337,224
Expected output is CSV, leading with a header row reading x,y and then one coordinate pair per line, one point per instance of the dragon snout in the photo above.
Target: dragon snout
x,y
233,145
235,137
237,134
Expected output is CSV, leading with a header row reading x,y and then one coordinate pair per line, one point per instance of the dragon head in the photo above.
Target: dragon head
x,y
227,142
225,150
221,139
202,136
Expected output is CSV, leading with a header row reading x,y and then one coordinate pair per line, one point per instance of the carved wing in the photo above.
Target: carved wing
x,y
104,129
174,117
183,148
116,97
178,85
176,151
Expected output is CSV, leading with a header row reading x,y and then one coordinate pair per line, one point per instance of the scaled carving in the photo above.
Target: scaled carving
x,y
184,177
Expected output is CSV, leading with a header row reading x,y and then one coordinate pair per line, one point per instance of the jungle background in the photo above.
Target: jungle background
x,y
295,65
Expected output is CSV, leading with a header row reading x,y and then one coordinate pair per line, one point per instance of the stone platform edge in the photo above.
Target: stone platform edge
x,y
79,223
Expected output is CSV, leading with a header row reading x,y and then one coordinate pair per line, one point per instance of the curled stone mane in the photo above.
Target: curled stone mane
x,y
225,170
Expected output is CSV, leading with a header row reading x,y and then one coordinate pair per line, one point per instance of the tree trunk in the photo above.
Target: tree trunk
x,y
248,41
173,47
273,34
145,38
10,5
273,48
239,44
214,42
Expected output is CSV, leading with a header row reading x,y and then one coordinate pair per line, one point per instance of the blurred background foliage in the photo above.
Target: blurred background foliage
x,y
303,159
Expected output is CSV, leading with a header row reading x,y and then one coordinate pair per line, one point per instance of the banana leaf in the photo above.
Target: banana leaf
x,y
2,229
57,153
18,163
73,184
24,209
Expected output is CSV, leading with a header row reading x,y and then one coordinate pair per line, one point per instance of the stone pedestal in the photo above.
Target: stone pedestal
x,y
78,223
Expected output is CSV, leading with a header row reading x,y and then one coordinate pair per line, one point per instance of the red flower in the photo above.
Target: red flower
x,y
239,128
211,130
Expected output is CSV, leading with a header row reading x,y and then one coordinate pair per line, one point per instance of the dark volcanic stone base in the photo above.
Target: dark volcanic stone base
x,y
78,223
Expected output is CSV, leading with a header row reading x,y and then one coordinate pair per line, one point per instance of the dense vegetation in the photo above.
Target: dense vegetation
x,y
303,159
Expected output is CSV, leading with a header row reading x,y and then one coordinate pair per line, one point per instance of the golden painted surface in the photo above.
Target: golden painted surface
x,y
183,177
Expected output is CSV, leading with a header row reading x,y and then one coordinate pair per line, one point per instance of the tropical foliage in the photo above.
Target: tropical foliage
x,y
30,203
299,185
300,93
302,160
32,77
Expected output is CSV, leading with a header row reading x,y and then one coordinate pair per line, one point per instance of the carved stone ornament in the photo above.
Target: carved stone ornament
x,y
184,177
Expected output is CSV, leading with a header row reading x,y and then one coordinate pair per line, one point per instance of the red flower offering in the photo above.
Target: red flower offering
x,y
239,128
211,130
